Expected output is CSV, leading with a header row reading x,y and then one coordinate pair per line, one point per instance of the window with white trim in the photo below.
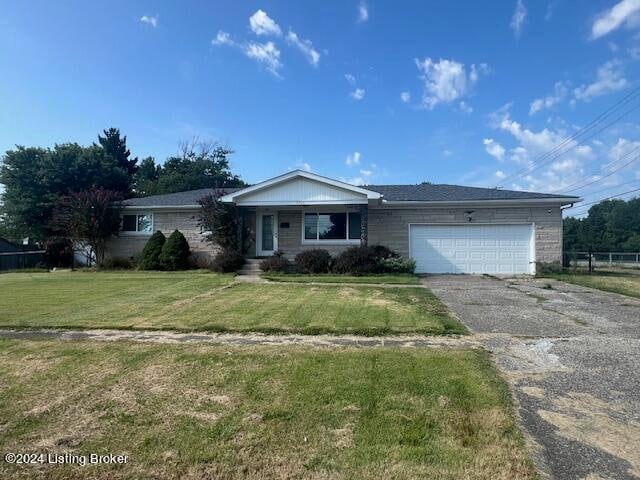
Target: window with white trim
x,y
332,226
137,223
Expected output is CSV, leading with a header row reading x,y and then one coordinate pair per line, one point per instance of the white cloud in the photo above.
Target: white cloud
x,y
363,12
447,153
500,174
493,148
262,24
353,159
609,79
517,20
446,80
624,12
465,107
405,97
366,173
357,94
222,38
559,94
305,46
350,79
266,54
530,145
306,166
151,20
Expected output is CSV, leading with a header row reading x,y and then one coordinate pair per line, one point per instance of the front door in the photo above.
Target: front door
x,y
266,233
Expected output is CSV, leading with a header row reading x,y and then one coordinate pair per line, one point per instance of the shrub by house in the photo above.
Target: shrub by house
x,y
175,252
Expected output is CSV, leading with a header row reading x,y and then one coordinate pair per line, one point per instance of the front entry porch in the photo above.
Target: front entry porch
x,y
290,230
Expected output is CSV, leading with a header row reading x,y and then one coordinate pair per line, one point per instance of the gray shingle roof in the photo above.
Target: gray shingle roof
x,y
451,193
189,197
415,193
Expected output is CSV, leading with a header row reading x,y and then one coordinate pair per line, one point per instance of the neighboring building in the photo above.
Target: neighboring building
x,y
445,228
6,246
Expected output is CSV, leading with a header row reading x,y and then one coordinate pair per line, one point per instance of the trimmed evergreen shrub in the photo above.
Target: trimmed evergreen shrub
x,y
227,261
313,261
396,265
175,252
275,263
150,259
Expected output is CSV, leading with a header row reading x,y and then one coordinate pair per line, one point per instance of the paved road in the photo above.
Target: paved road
x,y
572,357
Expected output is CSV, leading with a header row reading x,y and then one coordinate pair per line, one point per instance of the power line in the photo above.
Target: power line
x,y
581,142
601,200
634,159
612,187
593,124
615,164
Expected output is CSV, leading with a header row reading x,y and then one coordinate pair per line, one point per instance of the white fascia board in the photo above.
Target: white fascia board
x,y
317,202
483,203
230,197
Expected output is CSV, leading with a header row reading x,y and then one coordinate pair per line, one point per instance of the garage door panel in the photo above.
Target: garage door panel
x,y
502,249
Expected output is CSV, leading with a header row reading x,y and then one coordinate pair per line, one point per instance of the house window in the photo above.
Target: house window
x,y
332,226
138,223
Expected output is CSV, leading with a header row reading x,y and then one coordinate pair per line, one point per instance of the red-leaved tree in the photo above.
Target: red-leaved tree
x,y
89,218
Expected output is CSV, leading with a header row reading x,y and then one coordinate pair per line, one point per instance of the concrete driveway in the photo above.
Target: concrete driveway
x,y
572,357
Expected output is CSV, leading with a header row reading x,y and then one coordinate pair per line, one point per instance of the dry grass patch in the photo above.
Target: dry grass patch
x,y
261,413
617,282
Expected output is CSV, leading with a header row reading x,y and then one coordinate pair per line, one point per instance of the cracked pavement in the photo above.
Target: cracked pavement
x,y
572,357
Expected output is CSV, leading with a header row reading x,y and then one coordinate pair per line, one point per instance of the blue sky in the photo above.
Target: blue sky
x,y
367,91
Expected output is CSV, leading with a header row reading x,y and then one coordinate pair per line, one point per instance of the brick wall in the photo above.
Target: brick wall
x,y
187,222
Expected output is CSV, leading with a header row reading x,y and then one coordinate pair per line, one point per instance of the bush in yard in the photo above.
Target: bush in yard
x,y
359,260
151,253
118,263
227,261
275,263
313,261
380,252
548,268
58,252
396,265
175,252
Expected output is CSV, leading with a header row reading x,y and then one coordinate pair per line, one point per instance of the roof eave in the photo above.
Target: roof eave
x,y
161,207
521,201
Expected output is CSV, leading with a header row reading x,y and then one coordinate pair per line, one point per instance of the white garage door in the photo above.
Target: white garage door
x,y
500,249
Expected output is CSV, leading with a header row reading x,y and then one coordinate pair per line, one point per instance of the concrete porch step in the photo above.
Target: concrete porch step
x,y
251,267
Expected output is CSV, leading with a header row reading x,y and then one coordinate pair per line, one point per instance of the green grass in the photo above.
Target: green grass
x,y
203,411
206,301
616,282
390,279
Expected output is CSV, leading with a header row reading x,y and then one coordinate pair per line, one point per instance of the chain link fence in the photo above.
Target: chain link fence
x,y
603,259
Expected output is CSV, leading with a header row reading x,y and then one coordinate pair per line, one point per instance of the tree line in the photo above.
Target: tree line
x,y
610,226
41,185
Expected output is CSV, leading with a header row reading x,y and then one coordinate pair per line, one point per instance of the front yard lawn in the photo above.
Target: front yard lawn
x,y
187,411
390,279
616,282
207,301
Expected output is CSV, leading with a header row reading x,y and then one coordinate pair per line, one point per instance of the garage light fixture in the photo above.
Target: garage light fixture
x,y
469,214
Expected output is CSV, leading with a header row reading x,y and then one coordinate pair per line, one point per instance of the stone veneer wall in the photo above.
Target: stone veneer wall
x,y
390,227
